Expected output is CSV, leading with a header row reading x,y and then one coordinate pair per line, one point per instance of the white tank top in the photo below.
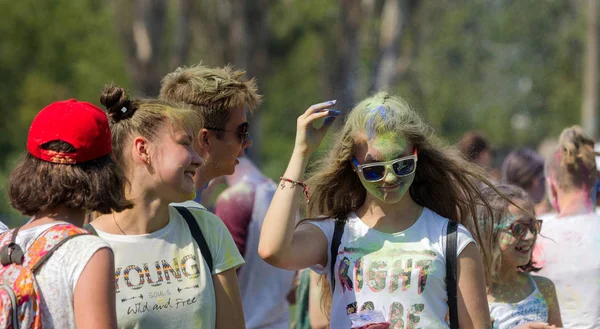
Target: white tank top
x,y
531,309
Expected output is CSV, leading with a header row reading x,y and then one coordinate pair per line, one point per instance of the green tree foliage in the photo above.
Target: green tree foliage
x,y
509,68
51,50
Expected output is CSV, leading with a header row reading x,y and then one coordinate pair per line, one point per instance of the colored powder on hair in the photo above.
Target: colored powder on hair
x,y
377,117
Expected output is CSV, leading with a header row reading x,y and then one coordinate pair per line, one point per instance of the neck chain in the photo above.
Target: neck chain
x,y
115,220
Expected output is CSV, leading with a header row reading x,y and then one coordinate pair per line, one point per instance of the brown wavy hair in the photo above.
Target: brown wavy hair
x,y
445,181
573,164
36,185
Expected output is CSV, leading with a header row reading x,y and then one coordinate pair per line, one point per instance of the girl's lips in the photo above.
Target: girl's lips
x,y
390,186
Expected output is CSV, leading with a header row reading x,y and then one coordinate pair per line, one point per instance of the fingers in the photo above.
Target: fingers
x,y
328,122
307,120
319,107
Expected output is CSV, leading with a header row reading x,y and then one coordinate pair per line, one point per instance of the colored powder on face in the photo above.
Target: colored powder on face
x,y
385,147
390,195
189,196
388,146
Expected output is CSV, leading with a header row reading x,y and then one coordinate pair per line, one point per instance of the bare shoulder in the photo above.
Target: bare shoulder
x,y
545,285
311,226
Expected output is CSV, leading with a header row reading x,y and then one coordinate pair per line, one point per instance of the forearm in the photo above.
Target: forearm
x,y
278,228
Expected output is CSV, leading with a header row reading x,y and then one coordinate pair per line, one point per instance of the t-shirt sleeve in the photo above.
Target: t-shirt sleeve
x,y
76,254
3,227
327,226
224,252
234,208
463,238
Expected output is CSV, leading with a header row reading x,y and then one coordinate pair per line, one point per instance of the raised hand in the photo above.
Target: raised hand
x,y
308,138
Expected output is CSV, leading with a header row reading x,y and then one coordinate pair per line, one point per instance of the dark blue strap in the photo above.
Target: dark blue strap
x,y
451,273
335,245
197,234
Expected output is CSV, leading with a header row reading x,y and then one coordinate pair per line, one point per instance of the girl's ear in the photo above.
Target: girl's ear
x,y
141,150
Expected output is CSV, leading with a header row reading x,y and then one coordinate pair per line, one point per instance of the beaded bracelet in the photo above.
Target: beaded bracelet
x,y
294,183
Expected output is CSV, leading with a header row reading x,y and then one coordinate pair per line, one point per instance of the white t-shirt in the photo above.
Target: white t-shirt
x,y
401,274
58,277
161,279
531,309
569,253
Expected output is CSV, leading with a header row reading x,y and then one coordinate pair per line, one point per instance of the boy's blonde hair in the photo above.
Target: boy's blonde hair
x,y
212,91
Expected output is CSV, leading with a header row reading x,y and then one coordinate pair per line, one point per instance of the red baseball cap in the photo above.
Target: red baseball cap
x,y
80,124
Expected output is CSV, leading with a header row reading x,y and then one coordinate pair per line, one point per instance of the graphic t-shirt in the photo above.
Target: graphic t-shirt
x,y
400,274
161,279
58,277
569,251
531,309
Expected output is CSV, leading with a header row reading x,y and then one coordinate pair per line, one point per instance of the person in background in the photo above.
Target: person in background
x,y
476,149
164,277
68,170
568,244
223,97
309,314
515,297
242,207
525,168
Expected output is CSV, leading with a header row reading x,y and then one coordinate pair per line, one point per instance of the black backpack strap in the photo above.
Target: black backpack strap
x,y
335,245
90,228
451,273
197,235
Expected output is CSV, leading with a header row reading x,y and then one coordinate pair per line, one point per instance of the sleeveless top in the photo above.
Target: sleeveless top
x,y
531,309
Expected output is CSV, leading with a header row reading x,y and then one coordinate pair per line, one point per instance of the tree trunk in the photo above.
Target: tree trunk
x,y
345,75
395,15
143,41
183,39
254,57
590,91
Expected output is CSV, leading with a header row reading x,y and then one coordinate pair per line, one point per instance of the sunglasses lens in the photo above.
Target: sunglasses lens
x,y
518,230
536,227
404,167
373,173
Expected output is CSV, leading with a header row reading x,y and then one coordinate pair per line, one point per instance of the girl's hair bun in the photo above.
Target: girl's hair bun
x,y
117,103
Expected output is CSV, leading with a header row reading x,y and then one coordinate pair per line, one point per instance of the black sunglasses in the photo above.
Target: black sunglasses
x,y
244,136
519,230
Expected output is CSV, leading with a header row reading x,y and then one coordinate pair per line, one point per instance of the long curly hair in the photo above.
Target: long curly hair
x,y
445,181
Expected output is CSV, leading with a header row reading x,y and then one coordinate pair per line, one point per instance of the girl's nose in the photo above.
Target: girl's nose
x,y
390,176
528,235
